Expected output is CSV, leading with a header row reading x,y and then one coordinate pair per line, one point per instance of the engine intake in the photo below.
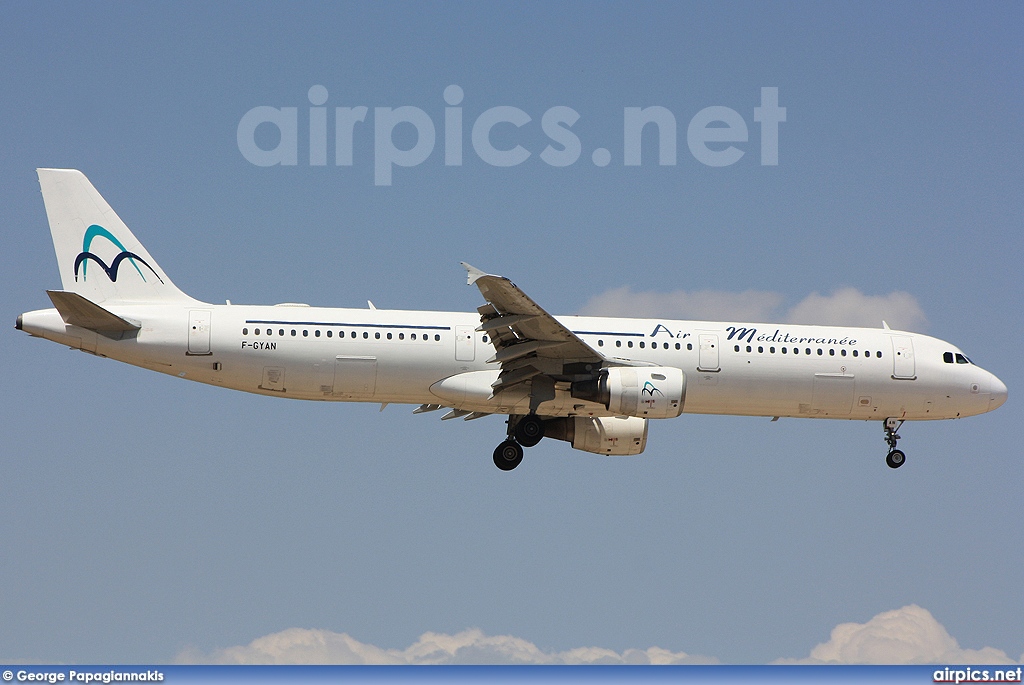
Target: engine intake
x,y
650,392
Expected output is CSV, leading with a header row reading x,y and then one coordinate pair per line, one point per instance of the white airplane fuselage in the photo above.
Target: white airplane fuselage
x,y
594,382
394,356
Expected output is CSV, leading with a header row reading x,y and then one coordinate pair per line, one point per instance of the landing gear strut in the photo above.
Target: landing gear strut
x,y
896,457
526,432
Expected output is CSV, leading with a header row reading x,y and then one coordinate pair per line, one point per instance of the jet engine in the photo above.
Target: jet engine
x,y
615,436
650,392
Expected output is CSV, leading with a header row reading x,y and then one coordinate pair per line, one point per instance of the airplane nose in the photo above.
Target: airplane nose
x,y
998,394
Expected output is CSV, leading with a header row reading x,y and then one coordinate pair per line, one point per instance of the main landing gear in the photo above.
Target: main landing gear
x,y
526,432
508,455
896,457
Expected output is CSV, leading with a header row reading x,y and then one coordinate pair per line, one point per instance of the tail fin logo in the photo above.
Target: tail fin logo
x,y
82,260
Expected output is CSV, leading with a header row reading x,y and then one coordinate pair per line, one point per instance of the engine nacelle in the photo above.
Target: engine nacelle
x,y
615,436
650,392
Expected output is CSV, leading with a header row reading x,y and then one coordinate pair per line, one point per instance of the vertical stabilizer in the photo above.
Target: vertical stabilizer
x,y
98,257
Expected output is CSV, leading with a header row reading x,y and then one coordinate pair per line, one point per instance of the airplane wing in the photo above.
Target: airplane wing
x,y
528,341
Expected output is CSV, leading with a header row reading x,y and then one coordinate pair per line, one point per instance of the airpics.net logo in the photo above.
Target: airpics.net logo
x,y
715,135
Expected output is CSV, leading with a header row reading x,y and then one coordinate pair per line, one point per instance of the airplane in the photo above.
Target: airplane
x,y
594,382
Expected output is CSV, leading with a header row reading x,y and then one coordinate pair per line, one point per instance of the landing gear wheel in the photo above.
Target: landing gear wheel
x,y
508,455
895,459
530,430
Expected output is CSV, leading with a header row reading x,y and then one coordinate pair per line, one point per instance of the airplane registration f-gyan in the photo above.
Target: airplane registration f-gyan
x,y
594,382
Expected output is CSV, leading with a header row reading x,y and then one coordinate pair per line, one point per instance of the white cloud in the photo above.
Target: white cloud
x,y
910,635
295,646
302,646
844,307
850,307
708,305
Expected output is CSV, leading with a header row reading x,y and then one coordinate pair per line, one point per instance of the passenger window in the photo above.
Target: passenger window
x,y
807,351
831,353
855,353
245,331
618,343
749,348
437,337
600,343
736,348
641,344
316,333
330,333
389,336
280,332
305,333
842,352
257,331
401,336
293,332
678,346
760,349
629,343
878,354
819,351
783,350
365,335
377,336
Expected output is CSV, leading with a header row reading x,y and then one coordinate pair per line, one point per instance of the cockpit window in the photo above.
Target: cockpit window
x,y
960,359
947,357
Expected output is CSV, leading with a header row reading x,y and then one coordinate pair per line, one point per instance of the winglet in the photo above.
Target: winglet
x,y
474,274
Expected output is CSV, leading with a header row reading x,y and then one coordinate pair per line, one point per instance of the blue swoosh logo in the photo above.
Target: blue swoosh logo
x,y
111,271
82,260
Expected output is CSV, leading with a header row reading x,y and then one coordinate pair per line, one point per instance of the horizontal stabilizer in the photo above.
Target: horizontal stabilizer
x,y
78,311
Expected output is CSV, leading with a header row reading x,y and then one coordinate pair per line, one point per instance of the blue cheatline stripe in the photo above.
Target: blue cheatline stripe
x,y
349,325
634,335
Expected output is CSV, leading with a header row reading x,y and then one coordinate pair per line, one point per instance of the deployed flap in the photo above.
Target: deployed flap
x,y
518,320
528,341
78,311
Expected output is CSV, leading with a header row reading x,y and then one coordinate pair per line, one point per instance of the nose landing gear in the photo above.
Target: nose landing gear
x,y
895,458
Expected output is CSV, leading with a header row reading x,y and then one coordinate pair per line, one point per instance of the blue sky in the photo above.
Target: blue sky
x,y
142,518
